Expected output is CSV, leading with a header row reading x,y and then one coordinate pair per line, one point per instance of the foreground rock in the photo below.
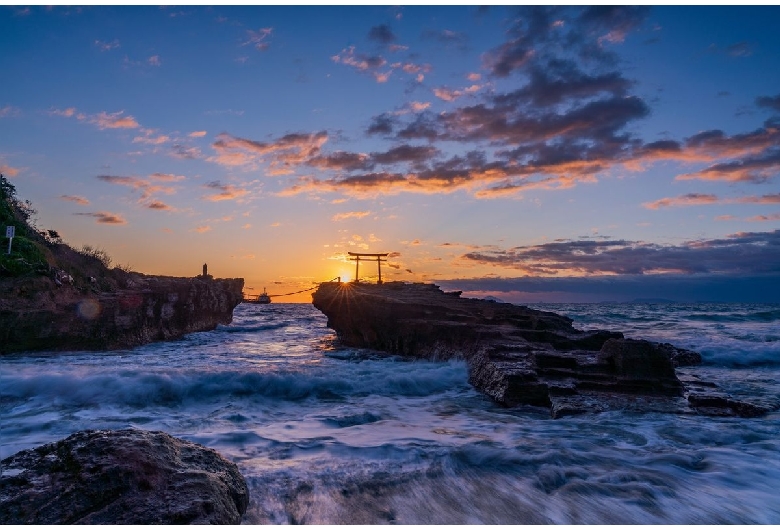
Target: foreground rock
x,y
121,477
520,356
120,311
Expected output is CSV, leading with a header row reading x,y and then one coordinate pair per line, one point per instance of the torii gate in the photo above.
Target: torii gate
x,y
378,257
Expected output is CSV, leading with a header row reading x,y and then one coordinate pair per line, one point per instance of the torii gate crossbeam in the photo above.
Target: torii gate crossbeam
x,y
356,256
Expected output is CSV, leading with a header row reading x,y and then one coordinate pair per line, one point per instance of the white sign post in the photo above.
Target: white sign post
x,y
9,233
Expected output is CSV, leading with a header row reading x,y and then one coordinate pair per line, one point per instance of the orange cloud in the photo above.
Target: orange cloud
x,y
197,134
115,120
201,229
349,215
8,171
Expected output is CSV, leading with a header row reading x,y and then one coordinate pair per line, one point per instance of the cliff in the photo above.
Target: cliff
x,y
45,313
520,356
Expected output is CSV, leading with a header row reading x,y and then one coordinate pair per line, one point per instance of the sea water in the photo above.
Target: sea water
x,y
330,435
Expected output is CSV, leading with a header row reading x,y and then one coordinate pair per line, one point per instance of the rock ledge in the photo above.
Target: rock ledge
x,y
520,356
121,477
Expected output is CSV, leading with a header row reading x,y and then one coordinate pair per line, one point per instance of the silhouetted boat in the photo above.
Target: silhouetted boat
x,y
263,298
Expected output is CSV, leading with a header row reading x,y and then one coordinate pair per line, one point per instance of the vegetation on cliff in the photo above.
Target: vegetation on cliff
x,y
36,252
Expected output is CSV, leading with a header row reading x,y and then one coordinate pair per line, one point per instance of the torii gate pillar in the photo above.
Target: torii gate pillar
x,y
378,257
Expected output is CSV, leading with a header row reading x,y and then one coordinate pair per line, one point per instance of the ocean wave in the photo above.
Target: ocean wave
x,y
174,388
252,328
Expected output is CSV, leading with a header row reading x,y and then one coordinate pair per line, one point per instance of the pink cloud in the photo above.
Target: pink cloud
x,y
258,38
683,200
115,120
75,198
197,134
225,192
105,218
10,112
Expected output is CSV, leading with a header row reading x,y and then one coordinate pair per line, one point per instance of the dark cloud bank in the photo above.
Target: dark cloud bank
x,y
743,267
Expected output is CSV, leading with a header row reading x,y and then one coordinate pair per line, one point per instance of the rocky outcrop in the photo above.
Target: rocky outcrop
x,y
520,356
55,313
121,477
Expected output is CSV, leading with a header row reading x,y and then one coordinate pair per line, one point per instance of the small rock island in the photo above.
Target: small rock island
x,y
521,356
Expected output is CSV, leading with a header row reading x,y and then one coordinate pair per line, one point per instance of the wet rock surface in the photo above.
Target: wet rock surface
x,y
127,310
121,477
521,356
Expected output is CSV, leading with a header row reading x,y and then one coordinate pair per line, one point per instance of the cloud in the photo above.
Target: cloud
x,y
757,288
769,102
350,215
154,60
741,253
763,218
447,37
158,205
282,153
65,113
185,152
197,134
105,218
381,34
114,120
540,32
75,198
8,171
258,38
683,200
168,177
103,120
739,49
756,169
225,192
692,199
201,229
377,66
148,139
145,186
10,111
107,46
448,94
363,63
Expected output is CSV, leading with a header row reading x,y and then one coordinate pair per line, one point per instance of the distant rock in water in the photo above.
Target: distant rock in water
x,y
121,477
518,355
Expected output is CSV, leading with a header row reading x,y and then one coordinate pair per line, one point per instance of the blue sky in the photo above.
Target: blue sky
x,y
551,153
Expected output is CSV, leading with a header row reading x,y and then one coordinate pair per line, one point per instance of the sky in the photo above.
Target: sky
x,y
532,154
